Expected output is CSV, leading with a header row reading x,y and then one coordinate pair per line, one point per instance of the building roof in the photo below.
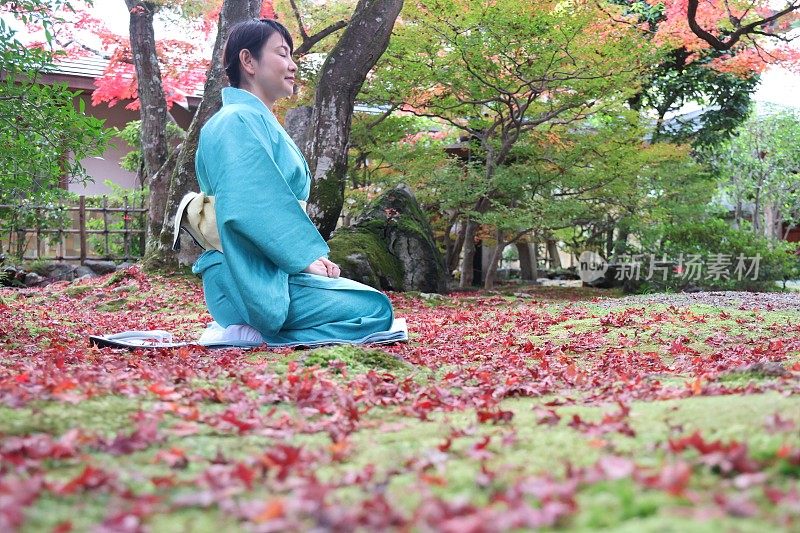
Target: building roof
x,y
82,67
80,73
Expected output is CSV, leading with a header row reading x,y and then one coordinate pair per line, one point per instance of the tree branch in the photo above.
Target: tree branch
x,y
741,31
309,42
299,18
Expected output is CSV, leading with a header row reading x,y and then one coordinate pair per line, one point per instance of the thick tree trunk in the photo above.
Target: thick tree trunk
x,y
773,222
494,261
534,260
361,45
552,252
455,253
153,105
467,268
467,262
179,171
525,261
621,244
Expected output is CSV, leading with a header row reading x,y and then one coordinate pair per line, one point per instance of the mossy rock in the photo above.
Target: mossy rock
x,y
391,246
364,257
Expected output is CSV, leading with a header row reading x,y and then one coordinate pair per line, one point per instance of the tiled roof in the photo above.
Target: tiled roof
x,y
84,67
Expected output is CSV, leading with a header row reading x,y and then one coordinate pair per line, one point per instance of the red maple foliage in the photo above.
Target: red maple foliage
x,y
183,61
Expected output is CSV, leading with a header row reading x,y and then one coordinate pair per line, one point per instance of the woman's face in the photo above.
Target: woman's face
x,y
274,72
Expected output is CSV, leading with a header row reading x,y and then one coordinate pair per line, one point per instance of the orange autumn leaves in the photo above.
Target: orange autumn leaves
x,y
751,56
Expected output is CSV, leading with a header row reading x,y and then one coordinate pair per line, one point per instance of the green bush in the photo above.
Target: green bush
x,y
713,236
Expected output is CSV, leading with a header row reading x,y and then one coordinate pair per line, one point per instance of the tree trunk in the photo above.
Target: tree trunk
x,y
534,260
179,171
454,251
621,244
467,263
737,214
772,221
525,261
756,216
361,45
153,105
494,262
552,252
471,227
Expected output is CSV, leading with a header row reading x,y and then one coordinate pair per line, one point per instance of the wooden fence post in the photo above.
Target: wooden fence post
x,y
126,245
38,233
82,226
105,226
143,226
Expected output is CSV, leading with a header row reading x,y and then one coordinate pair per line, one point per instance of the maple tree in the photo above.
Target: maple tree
x,y
498,71
694,71
183,62
738,21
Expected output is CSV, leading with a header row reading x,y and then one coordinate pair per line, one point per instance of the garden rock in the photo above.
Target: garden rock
x,y
33,279
100,267
123,266
84,272
391,246
59,271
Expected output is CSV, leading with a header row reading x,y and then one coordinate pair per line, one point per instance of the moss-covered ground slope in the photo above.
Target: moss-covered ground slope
x,y
514,410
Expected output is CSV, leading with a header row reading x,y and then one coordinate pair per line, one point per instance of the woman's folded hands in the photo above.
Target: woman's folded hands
x,y
323,267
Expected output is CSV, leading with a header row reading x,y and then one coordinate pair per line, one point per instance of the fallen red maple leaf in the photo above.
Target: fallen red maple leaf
x,y
90,478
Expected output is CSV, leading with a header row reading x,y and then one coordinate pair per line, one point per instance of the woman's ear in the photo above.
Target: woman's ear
x,y
246,59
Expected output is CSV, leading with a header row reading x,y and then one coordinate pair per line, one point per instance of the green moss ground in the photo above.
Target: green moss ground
x,y
388,439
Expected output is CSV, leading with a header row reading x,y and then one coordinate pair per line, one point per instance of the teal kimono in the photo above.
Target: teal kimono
x,y
247,161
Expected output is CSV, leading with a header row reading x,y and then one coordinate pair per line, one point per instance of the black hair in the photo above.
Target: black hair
x,y
250,35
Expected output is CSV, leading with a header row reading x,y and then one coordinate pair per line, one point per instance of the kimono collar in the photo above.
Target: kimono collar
x,y
232,95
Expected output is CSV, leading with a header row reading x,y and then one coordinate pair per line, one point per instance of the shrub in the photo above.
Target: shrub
x,y
707,239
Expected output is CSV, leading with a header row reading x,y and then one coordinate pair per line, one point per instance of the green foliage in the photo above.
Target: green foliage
x,y
132,135
514,78
135,198
473,63
725,99
759,166
712,236
581,183
44,137
395,149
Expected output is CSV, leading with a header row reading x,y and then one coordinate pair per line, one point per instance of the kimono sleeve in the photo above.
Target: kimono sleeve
x,y
257,213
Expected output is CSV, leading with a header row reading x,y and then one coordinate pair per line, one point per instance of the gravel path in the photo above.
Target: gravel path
x,y
767,301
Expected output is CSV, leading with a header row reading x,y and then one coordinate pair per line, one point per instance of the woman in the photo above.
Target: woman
x,y
273,273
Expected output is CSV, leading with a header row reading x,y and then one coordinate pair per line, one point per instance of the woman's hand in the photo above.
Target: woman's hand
x,y
323,267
